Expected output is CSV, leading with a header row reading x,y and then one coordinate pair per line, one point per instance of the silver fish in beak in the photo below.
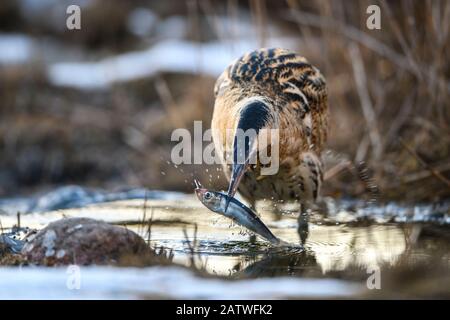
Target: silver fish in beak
x,y
236,211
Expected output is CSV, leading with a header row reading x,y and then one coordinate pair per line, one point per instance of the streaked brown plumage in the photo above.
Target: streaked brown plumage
x,y
294,94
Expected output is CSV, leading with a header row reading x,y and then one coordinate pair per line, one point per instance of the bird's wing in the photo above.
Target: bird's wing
x,y
305,90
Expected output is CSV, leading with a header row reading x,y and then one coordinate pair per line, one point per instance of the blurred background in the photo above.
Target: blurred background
x,y
97,106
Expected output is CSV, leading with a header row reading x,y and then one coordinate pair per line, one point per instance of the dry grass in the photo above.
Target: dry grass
x,y
385,86
388,92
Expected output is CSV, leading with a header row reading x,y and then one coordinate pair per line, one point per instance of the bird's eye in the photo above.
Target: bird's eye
x,y
208,195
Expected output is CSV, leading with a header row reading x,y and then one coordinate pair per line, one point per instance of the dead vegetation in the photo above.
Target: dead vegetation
x,y
388,94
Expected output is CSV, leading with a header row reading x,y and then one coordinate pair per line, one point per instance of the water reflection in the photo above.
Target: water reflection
x,y
277,264
328,249
329,246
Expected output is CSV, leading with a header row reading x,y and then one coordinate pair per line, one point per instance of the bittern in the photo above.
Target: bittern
x,y
272,89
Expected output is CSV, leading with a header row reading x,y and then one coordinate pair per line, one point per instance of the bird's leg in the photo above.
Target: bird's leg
x,y
303,218
311,171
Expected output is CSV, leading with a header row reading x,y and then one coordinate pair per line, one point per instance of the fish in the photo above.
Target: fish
x,y
236,211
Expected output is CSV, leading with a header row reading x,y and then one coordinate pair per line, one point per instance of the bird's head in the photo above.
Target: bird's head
x,y
253,115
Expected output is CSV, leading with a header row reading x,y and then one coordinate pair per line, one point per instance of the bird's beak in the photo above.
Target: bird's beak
x,y
236,176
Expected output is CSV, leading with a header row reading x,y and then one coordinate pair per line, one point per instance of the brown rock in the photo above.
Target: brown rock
x,y
82,241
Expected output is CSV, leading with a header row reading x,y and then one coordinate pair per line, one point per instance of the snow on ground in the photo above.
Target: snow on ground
x,y
157,282
15,49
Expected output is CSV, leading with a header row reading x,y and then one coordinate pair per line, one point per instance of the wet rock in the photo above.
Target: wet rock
x,y
82,241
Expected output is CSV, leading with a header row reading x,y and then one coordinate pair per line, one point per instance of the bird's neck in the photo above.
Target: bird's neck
x,y
253,115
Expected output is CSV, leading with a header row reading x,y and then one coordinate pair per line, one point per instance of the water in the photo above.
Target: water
x,y
346,240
